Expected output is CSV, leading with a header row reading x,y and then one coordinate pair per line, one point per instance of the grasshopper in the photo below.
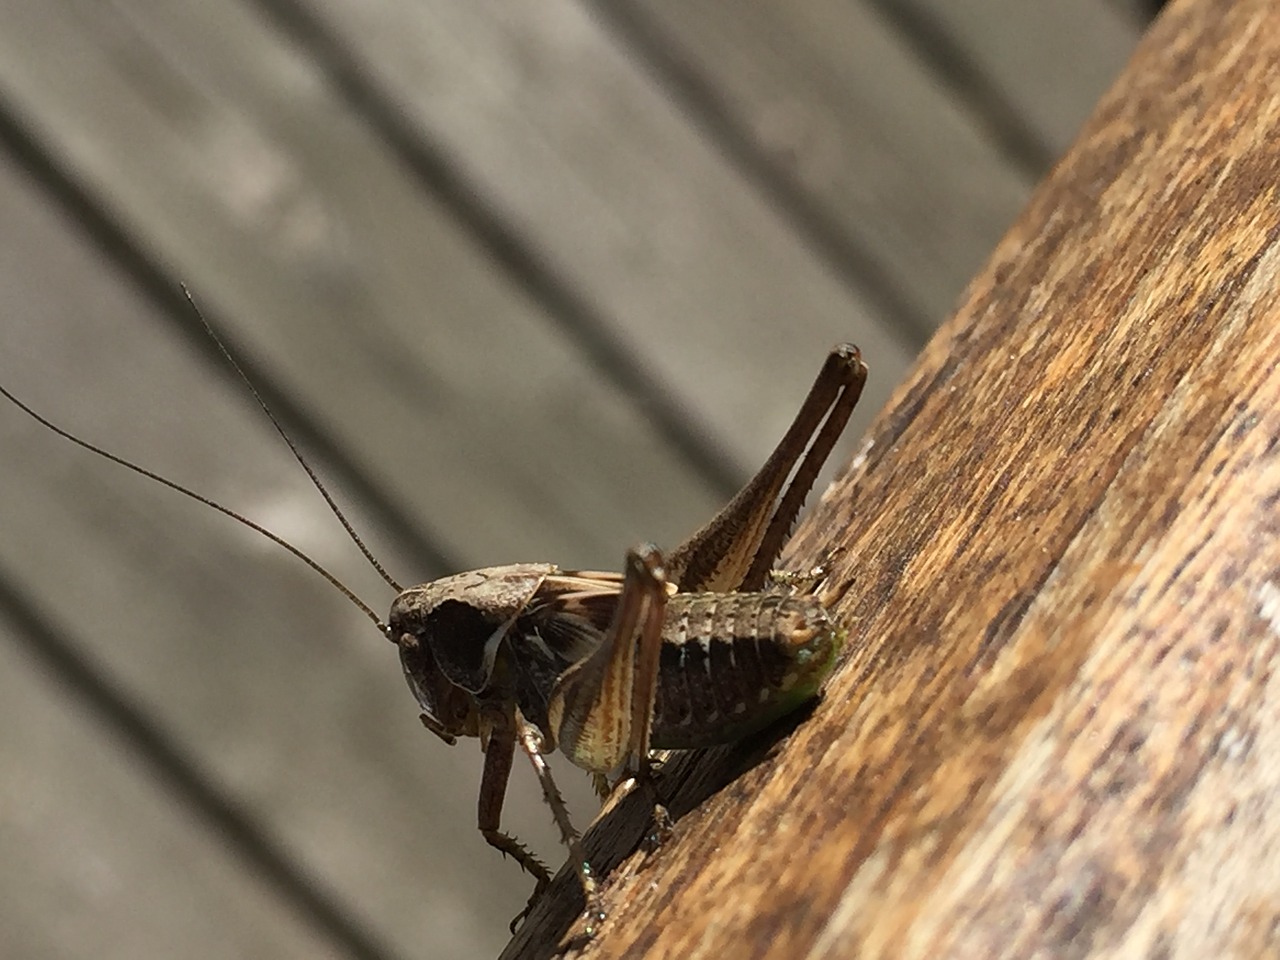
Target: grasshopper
x,y
696,647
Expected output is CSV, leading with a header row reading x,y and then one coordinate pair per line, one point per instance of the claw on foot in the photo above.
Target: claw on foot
x,y
660,828
539,889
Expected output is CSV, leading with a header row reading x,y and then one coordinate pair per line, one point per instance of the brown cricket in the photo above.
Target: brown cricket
x,y
696,647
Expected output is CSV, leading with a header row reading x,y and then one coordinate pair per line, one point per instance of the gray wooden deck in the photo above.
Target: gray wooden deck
x,y
530,281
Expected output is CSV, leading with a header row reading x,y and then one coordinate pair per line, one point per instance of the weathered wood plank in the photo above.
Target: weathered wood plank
x,y
225,153
1057,725
876,160
271,685
98,862
1043,64
570,142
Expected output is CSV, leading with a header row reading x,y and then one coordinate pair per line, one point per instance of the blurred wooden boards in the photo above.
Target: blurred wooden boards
x,y
278,691
91,832
496,352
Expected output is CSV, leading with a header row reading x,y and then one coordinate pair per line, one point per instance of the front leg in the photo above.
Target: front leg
x,y
534,747
499,753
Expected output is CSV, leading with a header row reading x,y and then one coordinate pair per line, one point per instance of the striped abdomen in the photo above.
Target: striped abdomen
x,y
733,663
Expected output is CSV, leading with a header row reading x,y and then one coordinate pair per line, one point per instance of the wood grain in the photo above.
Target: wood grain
x,y
1058,722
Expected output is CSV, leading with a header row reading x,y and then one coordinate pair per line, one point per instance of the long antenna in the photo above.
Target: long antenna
x,y
297,454
150,475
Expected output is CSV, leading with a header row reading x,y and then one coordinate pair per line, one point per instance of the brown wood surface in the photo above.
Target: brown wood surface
x,y
1057,727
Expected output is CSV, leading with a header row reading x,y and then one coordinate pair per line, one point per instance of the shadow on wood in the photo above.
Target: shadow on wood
x,y
1057,722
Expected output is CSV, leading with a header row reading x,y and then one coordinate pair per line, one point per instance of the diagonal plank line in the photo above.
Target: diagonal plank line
x,y
981,96
120,248
847,256
514,253
179,774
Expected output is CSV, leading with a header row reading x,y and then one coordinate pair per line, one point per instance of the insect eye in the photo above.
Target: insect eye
x,y
420,672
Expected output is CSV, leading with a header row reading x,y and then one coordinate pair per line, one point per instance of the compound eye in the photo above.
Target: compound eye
x,y
447,710
419,672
